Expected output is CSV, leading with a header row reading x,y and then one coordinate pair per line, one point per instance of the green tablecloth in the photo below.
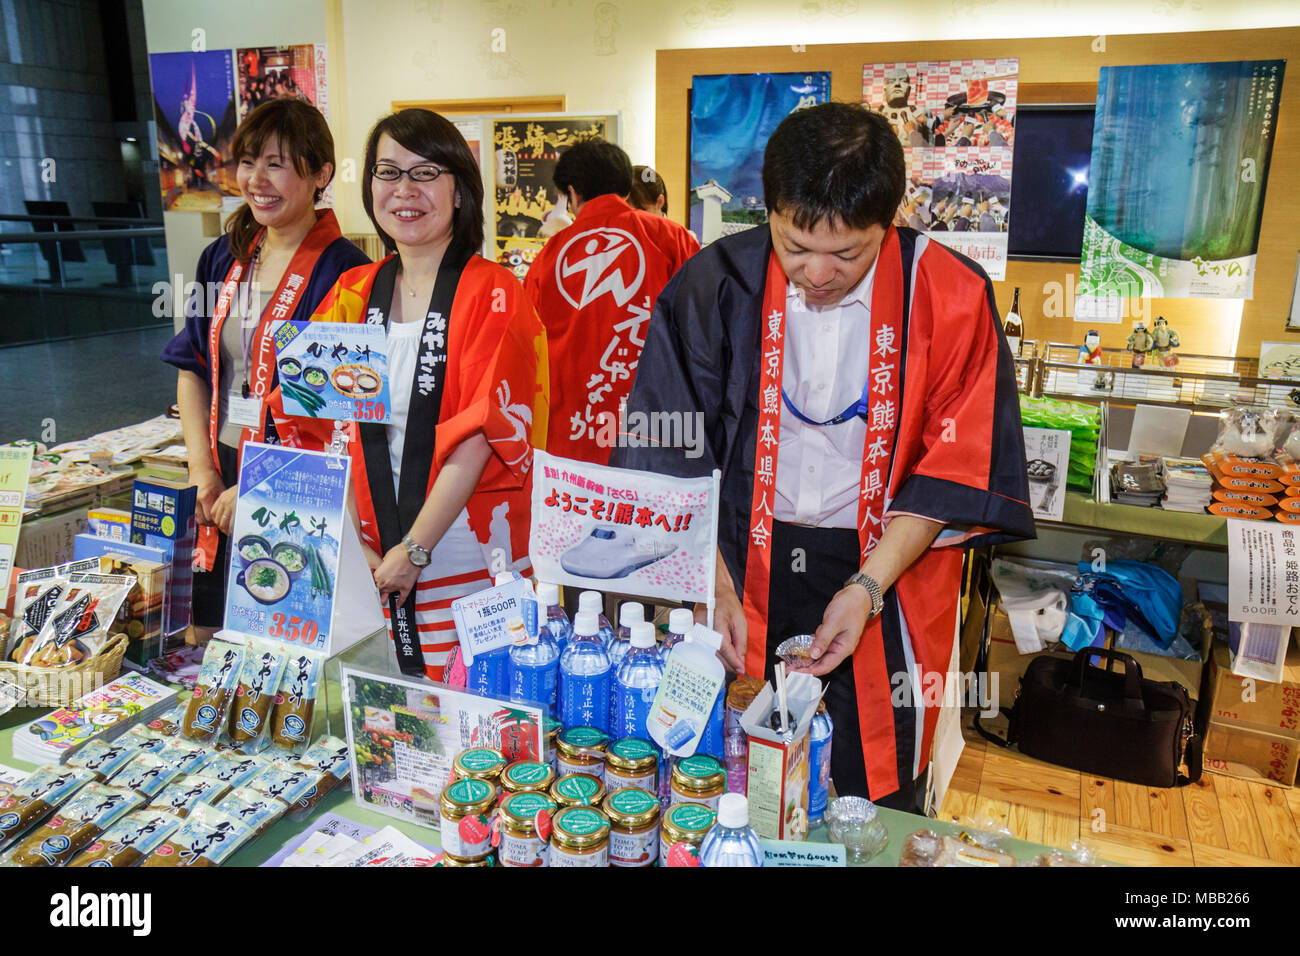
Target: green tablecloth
x,y
899,824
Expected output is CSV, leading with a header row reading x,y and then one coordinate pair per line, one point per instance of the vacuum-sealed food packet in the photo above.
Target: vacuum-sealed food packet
x,y
44,791
104,759
253,808
79,623
295,705
37,594
207,838
255,695
93,808
184,795
214,690
147,774
233,769
129,840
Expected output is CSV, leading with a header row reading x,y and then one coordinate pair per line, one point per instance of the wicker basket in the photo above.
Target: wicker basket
x,y
59,686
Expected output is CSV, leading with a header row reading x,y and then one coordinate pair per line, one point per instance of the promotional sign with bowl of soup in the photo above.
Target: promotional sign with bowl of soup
x,y
334,370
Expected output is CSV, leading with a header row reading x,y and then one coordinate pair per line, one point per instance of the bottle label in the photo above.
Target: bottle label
x,y
631,707
617,780
684,704
565,766
580,789
562,857
469,790
479,758
455,842
634,849
534,683
522,851
632,801
581,821
681,799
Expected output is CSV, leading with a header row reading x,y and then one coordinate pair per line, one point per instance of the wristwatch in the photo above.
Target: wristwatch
x,y
873,589
419,556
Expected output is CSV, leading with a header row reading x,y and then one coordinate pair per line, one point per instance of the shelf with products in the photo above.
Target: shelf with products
x,y
1202,530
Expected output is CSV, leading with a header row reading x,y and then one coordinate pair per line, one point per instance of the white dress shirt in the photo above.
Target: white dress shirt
x,y
827,361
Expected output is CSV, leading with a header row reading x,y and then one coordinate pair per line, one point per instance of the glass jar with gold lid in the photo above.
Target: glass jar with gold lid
x,y
524,822
632,762
581,750
578,790
526,776
478,763
551,731
580,838
633,827
684,823
465,813
449,860
699,779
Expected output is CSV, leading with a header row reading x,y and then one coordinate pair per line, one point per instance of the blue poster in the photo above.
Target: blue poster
x,y
284,554
194,111
732,116
334,370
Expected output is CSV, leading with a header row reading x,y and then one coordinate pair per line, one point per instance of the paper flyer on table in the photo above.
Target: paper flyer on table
x,y
334,370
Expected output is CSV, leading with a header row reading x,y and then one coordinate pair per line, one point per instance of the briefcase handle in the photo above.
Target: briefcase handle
x,y
1132,670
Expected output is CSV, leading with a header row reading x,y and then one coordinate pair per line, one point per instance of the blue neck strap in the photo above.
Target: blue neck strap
x,y
857,410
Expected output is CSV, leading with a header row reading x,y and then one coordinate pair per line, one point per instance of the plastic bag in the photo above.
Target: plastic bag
x,y
1249,431
78,625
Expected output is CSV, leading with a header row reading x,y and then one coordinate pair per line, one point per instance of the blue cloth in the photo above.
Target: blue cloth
x,y
1129,591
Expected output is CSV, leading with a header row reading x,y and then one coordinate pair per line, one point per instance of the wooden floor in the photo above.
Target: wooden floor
x,y
1218,821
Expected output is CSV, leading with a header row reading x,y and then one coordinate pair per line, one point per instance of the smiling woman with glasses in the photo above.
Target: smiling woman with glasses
x,y
441,495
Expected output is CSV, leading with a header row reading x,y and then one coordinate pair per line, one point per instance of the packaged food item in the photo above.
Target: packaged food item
x,y
147,774
79,624
1255,498
207,837
169,724
213,691
578,790
295,704
329,757
259,682
289,784
233,769
927,848
527,776
632,762
480,763
142,740
580,837
183,796
46,789
1249,512
633,814
699,779
186,756
581,750
524,825
1248,432
36,595
103,759
253,808
129,840
684,824
466,810
88,813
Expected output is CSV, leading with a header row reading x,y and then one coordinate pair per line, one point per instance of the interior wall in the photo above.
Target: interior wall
x,y
1053,69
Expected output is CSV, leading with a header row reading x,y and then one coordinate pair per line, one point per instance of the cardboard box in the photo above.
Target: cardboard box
x,y
45,542
777,772
1252,703
1238,751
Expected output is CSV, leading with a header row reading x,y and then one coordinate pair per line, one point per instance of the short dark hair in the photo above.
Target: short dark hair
x,y
838,162
439,141
594,167
647,187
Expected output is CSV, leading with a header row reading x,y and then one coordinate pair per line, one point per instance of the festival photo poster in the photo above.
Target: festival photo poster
x,y
282,72
194,110
732,117
1180,156
956,120
525,152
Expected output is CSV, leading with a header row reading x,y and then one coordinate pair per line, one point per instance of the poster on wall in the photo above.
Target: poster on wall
x,y
525,151
282,72
732,117
194,110
404,734
472,129
1180,156
956,120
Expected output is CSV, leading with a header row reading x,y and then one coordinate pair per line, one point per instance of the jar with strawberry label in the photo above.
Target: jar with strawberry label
x,y
526,776
632,762
448,860
699,779
478,763
465,813
578,790
633,827
682,832
580,838
581,750
524,829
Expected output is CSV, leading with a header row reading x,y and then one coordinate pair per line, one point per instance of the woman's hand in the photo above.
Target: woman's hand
x,y
223,511
396,575
373,560
210,488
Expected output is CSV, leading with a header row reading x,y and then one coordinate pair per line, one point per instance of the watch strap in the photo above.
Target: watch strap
x,y
873,589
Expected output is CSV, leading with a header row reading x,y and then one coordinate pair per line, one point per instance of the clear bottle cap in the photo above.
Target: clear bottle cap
x,y
643,634
733,810
586,624
548,595
680,620
706,636
504,577
631,612
591,601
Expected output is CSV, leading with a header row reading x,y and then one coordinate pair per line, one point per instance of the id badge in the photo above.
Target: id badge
x,y
244,411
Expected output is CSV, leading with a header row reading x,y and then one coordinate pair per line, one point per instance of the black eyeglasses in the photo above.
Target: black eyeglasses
x,y
419,174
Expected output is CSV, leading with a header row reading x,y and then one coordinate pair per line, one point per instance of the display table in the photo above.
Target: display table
x,y
898,823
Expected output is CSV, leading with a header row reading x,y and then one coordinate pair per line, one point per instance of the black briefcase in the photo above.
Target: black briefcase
x,y
1104,722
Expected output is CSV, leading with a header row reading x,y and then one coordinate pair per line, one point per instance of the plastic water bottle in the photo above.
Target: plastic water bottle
x,y
713,740
819,763
533,667
680,622
594,602
490,674
637,683
629,613
731,841
557,622
585,677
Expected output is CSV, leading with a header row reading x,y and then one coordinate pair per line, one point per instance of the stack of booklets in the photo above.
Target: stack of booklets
x,y
103,714
1136,482
1188,483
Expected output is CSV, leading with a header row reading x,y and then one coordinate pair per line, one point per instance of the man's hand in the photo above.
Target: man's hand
x,y
840,630
222,512
396,574
209,488
729,621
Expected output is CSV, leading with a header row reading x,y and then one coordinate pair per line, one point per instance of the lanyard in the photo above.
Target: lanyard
x,y
858,409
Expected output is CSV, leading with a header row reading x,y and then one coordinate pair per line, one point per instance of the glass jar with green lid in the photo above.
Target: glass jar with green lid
x,y
684,823
465,813
580,838
633,827
526,776
551,730
449,860
524,830
581,750
699,779
578,790
632,762
478,763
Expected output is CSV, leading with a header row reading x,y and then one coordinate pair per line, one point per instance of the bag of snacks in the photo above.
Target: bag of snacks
x,y
253,808
259,682
183,796
79,624
329,756
129,840
103,759
147,774
35,798
37,593
207,838
295,705
214,690
233,769
88,813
